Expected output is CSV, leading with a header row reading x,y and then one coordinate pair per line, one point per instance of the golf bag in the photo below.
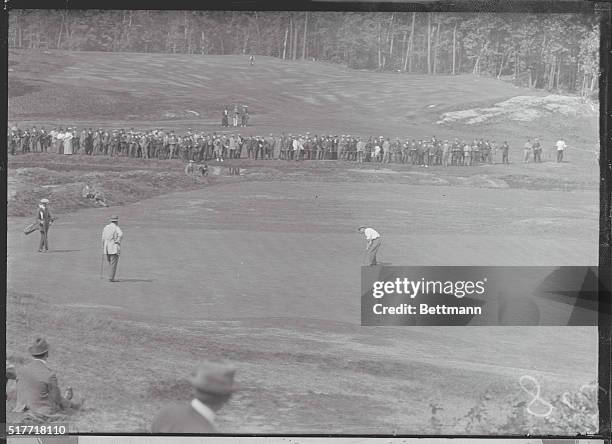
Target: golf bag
x,y
30,228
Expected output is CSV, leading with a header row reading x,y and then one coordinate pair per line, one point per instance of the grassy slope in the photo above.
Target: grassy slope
x,y
102,89
297,376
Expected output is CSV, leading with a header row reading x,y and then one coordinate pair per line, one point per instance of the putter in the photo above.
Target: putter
x,y
102,267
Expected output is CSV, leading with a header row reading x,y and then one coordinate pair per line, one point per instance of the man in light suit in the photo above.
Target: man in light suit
x,y
111,245
37,388
213,385
44,219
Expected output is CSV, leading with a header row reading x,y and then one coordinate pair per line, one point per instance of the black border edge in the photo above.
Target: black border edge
x,y
520,6
605,221
4,20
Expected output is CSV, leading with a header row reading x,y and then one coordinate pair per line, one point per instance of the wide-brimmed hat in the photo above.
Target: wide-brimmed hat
x,y
45,201
361,227
213,378
39,347
114,219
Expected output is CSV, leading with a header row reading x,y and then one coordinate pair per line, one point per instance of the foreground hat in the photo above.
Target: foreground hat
x,y
39,347
114,219
213,377
44,201
361,227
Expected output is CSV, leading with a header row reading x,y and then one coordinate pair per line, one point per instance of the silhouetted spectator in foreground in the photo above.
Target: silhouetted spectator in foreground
x,y
213,385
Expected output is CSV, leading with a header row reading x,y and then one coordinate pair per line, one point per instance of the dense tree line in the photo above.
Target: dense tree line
x,y
552,51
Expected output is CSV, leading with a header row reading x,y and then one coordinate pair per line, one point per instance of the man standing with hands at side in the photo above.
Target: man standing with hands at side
x,y
373,241
111,245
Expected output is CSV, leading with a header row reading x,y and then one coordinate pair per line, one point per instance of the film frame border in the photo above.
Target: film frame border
x,y
603,9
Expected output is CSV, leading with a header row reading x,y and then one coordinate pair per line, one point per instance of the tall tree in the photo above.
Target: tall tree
x,y
429,43
410,45
295,41
454,47
554,51
436,48
305,35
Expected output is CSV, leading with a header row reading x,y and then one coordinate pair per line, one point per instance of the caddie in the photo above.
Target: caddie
x,y
44,219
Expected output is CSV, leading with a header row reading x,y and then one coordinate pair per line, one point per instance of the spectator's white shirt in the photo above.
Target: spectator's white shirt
x,y
371,234
561,145
203,410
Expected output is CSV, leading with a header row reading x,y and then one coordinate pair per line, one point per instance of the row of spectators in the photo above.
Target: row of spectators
x,y
204,146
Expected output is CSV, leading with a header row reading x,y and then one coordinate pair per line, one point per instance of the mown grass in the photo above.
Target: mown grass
x,y
293,377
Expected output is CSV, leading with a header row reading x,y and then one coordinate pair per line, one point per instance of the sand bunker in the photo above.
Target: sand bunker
x,y
523,108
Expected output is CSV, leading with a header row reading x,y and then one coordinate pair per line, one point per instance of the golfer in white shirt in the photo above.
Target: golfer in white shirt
x,y
560,149
373,241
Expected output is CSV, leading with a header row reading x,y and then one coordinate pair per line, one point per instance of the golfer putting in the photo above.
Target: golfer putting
x,y
111,246
373,241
